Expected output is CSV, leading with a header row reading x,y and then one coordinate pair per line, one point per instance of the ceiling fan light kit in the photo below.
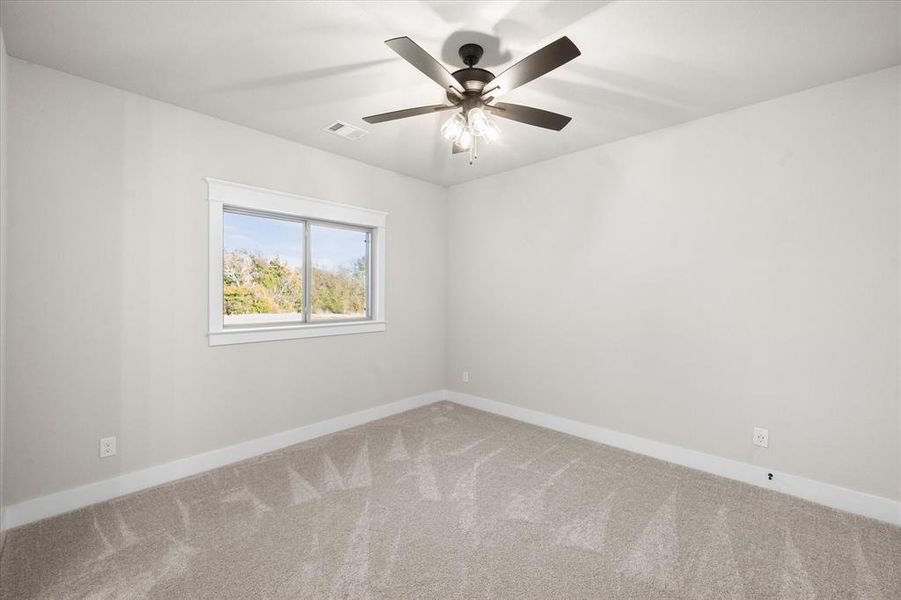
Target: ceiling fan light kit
x,y
475,91
465,128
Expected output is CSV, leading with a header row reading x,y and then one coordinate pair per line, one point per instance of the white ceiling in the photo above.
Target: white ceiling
x,y
290,68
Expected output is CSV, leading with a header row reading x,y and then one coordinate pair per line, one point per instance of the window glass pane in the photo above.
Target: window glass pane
x,y
262,269
339,272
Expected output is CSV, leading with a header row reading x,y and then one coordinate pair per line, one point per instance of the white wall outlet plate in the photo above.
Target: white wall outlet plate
x,y
465,376
761,437
107,447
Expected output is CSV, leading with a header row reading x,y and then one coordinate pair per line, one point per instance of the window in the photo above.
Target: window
x,y
262,269
339,272
284,266
264,272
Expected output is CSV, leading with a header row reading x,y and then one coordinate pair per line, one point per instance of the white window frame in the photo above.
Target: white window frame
x,y
225,194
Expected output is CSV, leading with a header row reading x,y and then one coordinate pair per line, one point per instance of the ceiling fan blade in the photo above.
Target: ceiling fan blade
x,y
422,60
407,112
532,67
529,115
458,149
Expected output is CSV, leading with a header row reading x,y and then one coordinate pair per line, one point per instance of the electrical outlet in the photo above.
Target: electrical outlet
x,y
761,437
465,377
107,447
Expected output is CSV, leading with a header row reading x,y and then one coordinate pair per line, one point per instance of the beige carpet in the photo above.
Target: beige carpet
x,y
449,502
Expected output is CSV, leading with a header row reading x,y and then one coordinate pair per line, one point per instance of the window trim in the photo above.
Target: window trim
x,y
225,194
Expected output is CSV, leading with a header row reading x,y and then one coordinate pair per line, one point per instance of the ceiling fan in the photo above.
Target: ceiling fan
x,y
475,91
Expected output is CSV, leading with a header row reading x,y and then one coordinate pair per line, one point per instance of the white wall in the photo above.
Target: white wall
x,y
108,281
689,284
4,69
683,286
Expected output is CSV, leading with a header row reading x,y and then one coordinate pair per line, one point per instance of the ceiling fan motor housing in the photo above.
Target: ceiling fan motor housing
x,y
472,79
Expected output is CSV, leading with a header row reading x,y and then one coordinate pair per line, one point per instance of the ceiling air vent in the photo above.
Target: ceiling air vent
x,y
345,130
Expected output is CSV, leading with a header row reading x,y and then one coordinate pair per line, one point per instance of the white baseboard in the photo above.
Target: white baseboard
x,y
834,496
71,499
851,501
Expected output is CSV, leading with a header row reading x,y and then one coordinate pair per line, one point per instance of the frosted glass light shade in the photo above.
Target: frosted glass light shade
x,y
478,121
465,139
453,127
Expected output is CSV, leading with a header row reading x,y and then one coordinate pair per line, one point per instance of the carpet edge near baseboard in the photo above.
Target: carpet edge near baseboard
x,y
826,494
63,501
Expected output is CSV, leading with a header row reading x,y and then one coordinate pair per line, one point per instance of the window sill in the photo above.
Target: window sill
x,y
247,335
